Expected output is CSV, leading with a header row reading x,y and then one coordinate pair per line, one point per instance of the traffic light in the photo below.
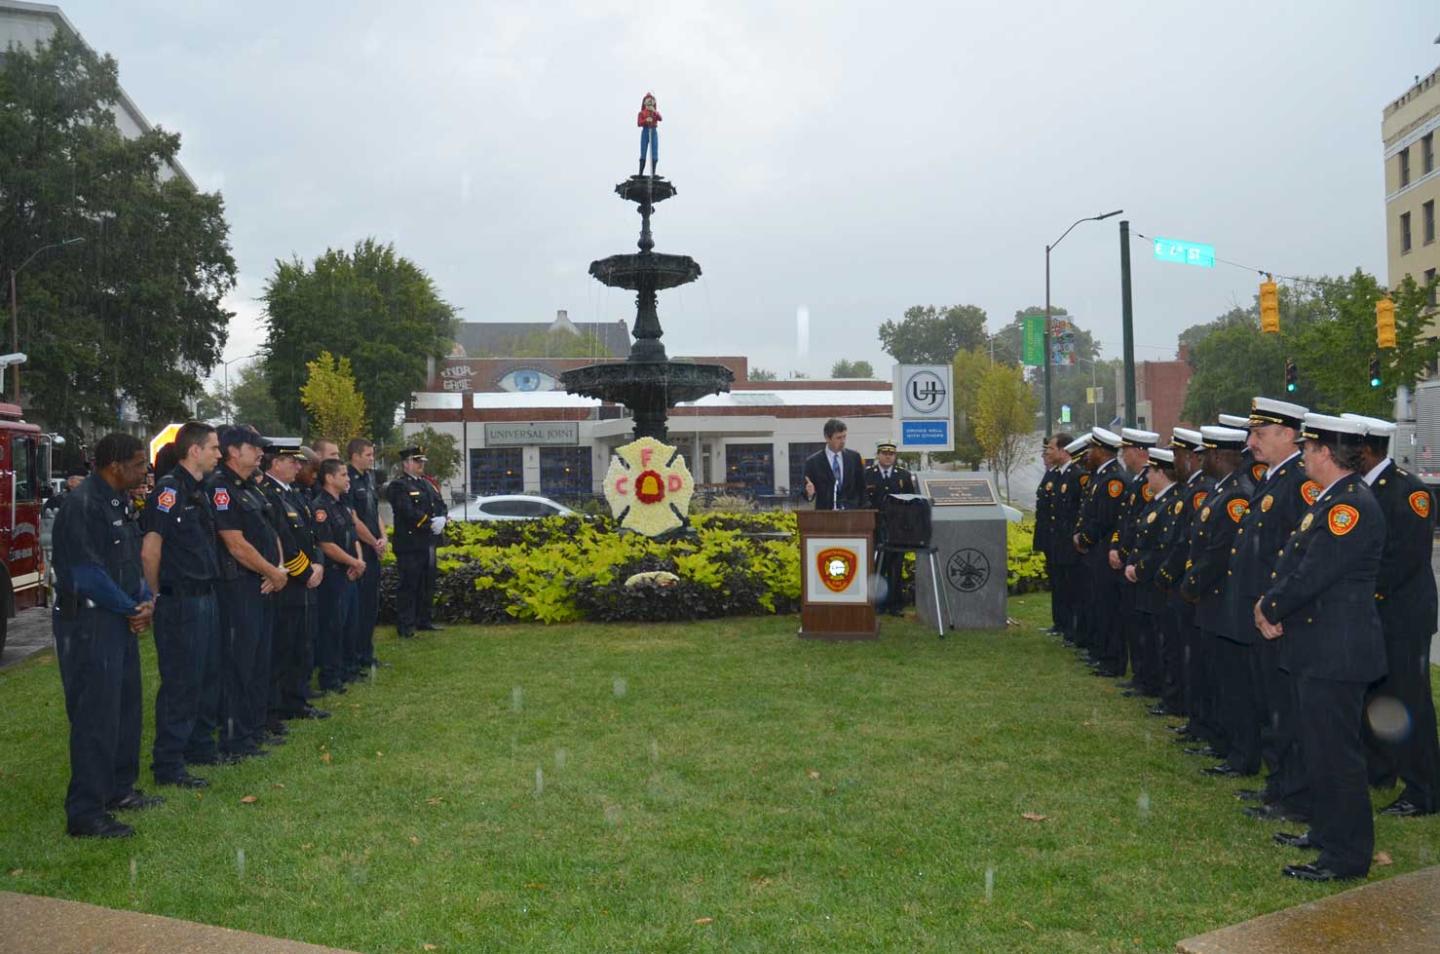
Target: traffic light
x,y
1269,308
1374,370
1292,376
1385,323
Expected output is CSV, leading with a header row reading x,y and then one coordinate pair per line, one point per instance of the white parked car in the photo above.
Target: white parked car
x,y
508,507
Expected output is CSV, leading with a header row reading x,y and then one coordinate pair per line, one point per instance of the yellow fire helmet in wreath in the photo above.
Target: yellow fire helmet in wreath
x,y
649,487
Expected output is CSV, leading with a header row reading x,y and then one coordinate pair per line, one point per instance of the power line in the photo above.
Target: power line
x,y
1268,273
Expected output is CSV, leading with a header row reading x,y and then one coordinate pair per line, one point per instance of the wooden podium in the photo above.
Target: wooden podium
x,y
837,554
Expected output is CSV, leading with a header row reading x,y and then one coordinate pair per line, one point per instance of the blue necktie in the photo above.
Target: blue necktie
x,y
835,469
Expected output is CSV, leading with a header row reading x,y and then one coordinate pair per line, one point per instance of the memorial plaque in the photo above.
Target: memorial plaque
x,y
960,492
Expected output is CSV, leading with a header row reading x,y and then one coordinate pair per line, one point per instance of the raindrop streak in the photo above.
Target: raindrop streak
x,y
374,671
619,686
240,862
539,781
134,872
561,757
612,814
1143,804
989,884
654,751
517,699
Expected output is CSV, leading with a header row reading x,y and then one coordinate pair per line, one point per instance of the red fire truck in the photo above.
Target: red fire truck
x,y
24,471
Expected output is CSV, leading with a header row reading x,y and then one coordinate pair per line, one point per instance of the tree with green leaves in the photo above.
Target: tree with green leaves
x,y
335,405
760,374
1004,417
371,305
851,369
968,369
556,343
1327,326
930,335
442,456
134,311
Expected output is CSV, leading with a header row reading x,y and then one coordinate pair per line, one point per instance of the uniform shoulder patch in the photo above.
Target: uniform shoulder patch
x,y
1342,519
221,498
166,499
1267,503
1198,498
1420,503
1237,509
1311,491
1115,488
321,514
1147,493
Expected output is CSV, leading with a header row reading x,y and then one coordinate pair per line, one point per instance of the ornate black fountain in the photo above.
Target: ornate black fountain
x,y
648,383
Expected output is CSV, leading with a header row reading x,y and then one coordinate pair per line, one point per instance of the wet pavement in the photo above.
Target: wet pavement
x,y
28,634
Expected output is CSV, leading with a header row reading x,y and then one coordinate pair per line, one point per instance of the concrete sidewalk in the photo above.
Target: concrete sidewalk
x,y
29,924
28,634
1399,915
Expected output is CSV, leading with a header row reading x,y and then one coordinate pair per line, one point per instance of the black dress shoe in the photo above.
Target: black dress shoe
x,y
209,758
1404,808
184,780
276,727
134,801
403,634
1294,841
240,755
1313,872
429,628
1180,729
310,712
1130,693
102,827
1223,770
1204,750
1272,812
274,740
1249,794
1161,709
338,690
1104,673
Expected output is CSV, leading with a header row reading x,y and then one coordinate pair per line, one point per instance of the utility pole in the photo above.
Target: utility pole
x,y
1127,321
1049,408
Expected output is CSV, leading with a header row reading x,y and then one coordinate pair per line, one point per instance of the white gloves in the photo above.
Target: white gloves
x,y
437,525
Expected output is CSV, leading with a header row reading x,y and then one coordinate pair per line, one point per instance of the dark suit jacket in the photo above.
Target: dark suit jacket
x,y
1324,590
1405,589
852,480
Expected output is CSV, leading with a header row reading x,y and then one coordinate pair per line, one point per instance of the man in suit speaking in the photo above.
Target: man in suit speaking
x,y
835,477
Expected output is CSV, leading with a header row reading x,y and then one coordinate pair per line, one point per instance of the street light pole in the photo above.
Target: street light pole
x,y
229,404
1049,407
15,311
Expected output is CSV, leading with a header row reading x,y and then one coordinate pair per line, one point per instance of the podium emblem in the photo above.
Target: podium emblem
x,y
837,567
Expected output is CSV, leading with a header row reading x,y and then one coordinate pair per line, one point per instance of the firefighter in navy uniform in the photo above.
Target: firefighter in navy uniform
x,y
1098,526
182,567
1406,600
1213,720
364,502
1319,611
339,594
883,478
1178,653
1043,538
250,574
1145,565
419,516
1065,511
291,656
101,604
1274,512
1134,456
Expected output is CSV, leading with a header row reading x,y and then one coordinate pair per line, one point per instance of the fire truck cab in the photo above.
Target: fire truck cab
x,y
24,481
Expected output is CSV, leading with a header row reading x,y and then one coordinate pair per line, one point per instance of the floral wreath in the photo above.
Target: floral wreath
x,y
649,487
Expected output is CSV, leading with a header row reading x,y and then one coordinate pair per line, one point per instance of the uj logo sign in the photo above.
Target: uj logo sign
x,y
925,393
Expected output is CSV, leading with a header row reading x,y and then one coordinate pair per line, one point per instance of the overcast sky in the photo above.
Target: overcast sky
x,y
851,158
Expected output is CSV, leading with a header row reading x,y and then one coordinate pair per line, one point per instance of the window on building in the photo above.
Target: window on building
x,y
1428,221
1430,286
565,472
1404,158
497,470
1404,232
798,453
752,466
1427,153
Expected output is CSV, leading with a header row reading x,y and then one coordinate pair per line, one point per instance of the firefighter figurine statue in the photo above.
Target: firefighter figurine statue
x,y
649,123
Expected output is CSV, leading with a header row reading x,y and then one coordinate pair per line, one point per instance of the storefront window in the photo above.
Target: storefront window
x,y
497,470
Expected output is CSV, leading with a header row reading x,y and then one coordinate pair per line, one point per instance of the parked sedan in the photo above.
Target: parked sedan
x,y
508,507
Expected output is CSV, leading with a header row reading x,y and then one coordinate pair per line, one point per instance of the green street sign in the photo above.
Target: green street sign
x,y
1185,253
1064,414
1033,352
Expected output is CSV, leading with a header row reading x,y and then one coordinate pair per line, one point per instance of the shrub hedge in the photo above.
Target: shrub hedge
x,y
564,569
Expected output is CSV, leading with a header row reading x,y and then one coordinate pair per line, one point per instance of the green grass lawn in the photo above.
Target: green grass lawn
x,y
714,786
